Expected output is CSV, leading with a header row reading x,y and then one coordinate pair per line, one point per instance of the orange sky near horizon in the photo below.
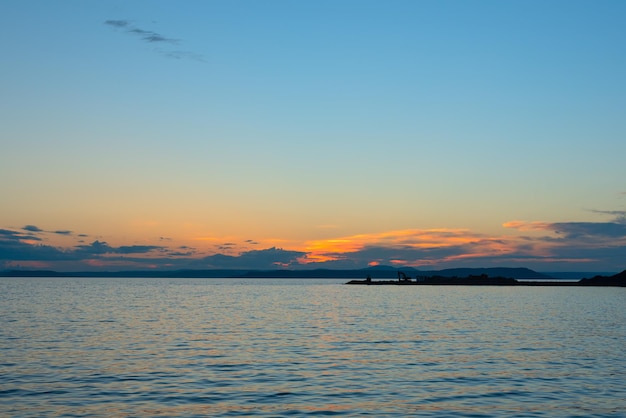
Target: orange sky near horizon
x,y
312,134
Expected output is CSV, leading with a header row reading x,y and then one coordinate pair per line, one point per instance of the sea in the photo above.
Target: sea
x,y
115,347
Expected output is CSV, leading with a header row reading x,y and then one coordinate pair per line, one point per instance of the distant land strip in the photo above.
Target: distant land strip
x,y
459,276
618,280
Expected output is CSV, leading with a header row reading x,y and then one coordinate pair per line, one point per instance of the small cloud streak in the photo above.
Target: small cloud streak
x,y
146,35
32,228
527,226
154,38
619,215
120,24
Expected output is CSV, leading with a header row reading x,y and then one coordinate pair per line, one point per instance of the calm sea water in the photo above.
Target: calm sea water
x,y
217,347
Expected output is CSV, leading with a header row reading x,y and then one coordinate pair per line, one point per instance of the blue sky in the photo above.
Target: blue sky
x,y
347,133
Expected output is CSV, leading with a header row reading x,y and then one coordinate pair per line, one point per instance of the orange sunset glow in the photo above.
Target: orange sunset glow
x,y
288,136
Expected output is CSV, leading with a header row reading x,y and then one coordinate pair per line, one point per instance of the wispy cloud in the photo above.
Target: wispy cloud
x,y
528,226
592,243
399,240
616,228
165,43
146,35
227,246
179,55
120,24
619,215
410,247
10,235
39,231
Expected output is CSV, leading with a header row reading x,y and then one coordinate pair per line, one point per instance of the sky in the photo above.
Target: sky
x,y
312,134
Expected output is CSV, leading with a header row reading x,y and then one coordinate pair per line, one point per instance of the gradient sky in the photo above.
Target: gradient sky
x,y
339,133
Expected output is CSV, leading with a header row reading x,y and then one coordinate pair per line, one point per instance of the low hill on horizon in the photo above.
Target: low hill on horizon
x,y
376,272
507,272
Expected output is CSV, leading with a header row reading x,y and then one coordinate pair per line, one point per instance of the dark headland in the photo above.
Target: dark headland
x,y
617,280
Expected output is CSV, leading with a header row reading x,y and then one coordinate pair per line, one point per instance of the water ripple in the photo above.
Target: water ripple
x,y
111,347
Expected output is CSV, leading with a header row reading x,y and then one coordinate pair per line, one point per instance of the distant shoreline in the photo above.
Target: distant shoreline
x,y
384,275
618,280
521,284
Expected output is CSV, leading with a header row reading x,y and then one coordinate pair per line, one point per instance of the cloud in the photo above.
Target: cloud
x,y
137,249
17,249
269,258
8,234
590,229
543,246
36,229
32,228
183,55
227,246
574,230
556,245
407,239
528,226
17,236
96,247
17,246
181,253
416,254
100,247
151,37
619,215
154,38
599,245
117,23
